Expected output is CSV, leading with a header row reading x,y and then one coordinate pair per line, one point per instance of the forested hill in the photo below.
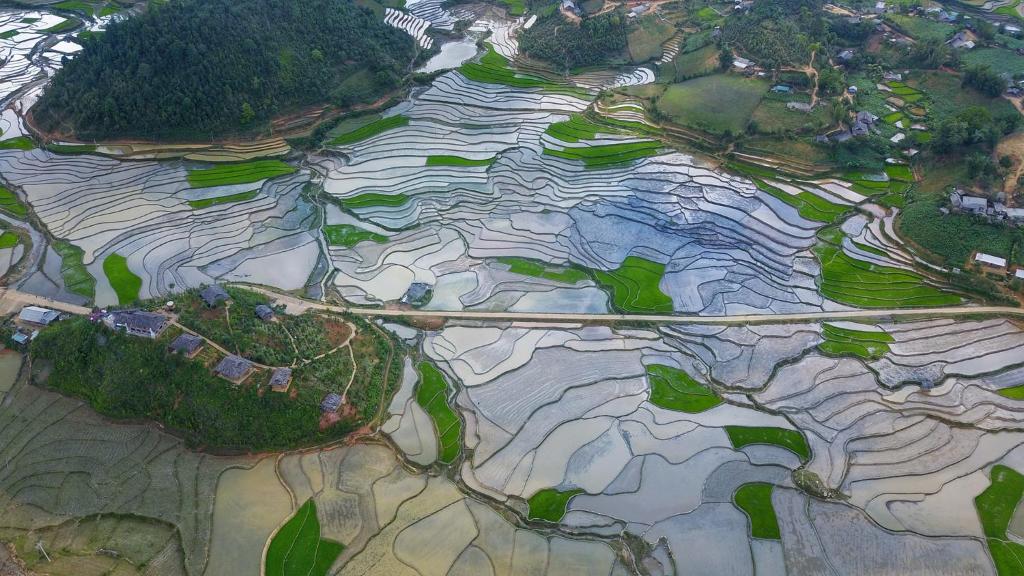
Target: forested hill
x,y
194,68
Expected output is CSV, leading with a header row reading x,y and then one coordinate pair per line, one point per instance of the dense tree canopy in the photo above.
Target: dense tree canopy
x,y
203,67
567,45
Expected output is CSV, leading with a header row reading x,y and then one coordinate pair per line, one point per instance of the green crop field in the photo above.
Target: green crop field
x,y
607,155
549,504
443,160
515,7
808,205
75,6
858,283
71,148
10,203
996,506
921,28
229,199
864,344
635,286
1001,60
124,282
372,199
8,239
568,275
370,130
717,104
77,278
703,60
348,235
241,173
297,547
577,128
493,68
755,499
432,395
674,389
1013,392
18,143
791,440
63,26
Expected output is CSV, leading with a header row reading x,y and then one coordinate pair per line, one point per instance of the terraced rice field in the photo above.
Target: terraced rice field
x,y
244,173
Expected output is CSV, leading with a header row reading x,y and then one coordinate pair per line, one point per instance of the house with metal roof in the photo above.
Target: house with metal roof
x,y
234,369
330,403
137,322
264,312
990,260
38,315
188,345
281,379
214,295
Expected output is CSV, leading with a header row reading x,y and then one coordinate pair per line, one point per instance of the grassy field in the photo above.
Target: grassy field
x,y
674,389
791,440
755,499
443,160
864,344
124,282
373,199
348,235
921,28
717,104
807,204
549,504
646,37
635,286
76,278
432,395
370,130
773,116
514,7
866,285
607,155
948,98
696,63
996,506
8,239
10,203
537,269
229,199
241,173
297,547
1000,59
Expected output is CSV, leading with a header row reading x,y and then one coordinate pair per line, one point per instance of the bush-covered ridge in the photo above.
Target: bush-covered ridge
x,y
192,68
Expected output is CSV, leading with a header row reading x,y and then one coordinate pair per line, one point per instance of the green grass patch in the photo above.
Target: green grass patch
x,y
699,62
635,286
755,500
719,104
549,504
443,160
808,205
791,440
865,344
8,239
9,34
996,506
432,396
607,155
229,199
75,6
1013,392
899,172
241,173
77,278
567,275
1001,60
373,199
124,282
646,36
674,389
921,28
10,203
18,143
865,285
514,7
62,26
370,130
297,547
348,235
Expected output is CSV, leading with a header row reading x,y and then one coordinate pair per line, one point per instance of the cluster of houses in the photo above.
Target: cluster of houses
x,y
997,264
977,205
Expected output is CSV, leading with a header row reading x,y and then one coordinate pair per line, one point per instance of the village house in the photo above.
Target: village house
x,y
741,63
137,323
188,345
38,315
264,312
331,403
281,379
234,369
962,40
990,261
214,295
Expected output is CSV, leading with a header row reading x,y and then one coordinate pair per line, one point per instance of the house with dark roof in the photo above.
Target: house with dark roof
x,y
416,293
234,369
330,403
38,315
137,323
214,295
188,345
281,379
264,312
